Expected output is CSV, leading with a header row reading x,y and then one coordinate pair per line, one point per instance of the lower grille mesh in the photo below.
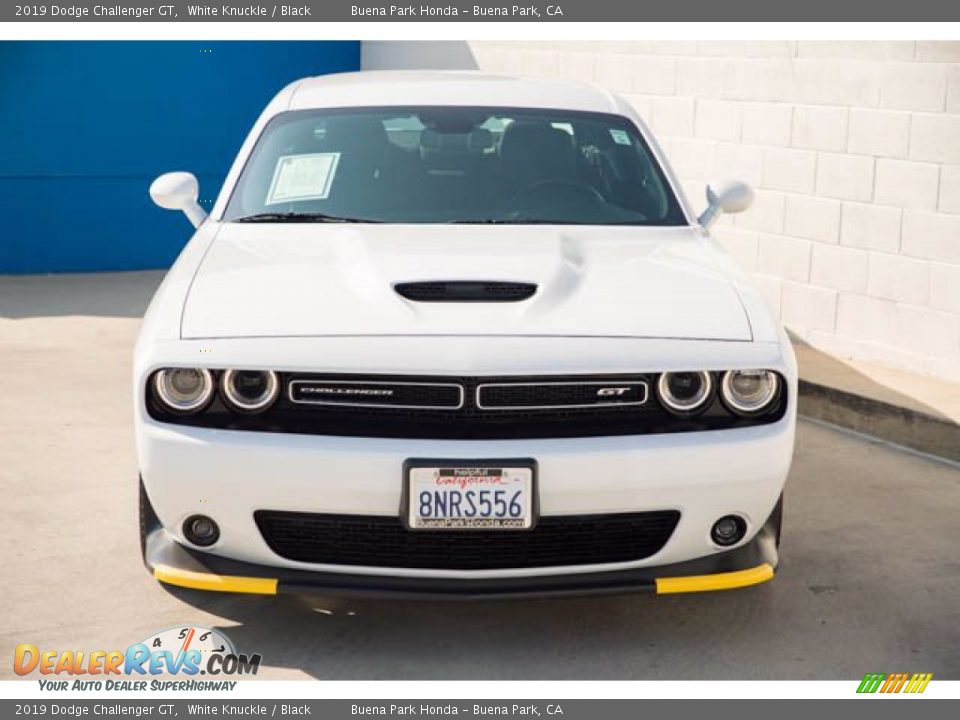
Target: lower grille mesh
x,y
379,541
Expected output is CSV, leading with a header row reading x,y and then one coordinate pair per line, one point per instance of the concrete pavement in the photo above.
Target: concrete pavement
x,y
870,578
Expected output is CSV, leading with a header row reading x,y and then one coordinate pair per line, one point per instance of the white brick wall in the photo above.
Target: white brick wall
x,y
854,150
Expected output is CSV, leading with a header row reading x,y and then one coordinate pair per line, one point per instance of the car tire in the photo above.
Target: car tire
x,y
776,519
148,520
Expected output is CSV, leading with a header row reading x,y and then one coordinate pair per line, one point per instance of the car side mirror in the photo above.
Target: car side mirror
x,y
731,196
179,191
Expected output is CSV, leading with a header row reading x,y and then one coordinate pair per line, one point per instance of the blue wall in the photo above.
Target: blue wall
x,y
86,126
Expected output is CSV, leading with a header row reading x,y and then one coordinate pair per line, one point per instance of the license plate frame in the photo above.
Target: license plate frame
x,y
533,505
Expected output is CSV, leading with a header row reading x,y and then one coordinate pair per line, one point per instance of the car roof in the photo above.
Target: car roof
x,y
392,88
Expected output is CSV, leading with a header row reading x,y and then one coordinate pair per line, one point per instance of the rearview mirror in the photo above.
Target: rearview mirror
x,y
731,196
179,191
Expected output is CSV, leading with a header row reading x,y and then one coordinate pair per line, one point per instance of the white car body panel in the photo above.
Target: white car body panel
x,y
338,280
732,471
704,475
319,298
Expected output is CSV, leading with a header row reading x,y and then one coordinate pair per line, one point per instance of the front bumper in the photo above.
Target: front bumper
x,y
231,475
174,564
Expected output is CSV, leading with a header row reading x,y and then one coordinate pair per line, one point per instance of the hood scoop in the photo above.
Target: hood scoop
x,y
459,291
387,280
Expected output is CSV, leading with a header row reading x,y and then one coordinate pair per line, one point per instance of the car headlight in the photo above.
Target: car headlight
x,y
184,390
250,390
684,393
748,392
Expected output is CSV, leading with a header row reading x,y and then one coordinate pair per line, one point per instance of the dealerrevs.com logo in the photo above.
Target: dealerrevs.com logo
x,y
184,651
894,683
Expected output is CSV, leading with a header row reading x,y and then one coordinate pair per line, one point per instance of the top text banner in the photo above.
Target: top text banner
x,y
483,11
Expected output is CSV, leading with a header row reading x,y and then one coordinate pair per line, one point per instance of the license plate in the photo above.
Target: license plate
x,y
463,495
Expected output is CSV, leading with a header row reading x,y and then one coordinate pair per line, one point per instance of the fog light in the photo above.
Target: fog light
x,y
728,530
201,530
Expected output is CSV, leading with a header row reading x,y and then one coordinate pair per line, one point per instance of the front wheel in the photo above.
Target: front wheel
x,y
776,519
148,520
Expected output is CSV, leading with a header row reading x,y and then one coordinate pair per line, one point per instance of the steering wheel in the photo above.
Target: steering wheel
x,y
560,191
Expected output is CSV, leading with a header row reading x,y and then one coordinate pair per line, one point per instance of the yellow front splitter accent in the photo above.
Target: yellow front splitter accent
x,y
718,581
268,586
217,583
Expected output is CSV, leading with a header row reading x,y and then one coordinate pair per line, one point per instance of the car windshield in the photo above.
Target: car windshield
x,y
453,165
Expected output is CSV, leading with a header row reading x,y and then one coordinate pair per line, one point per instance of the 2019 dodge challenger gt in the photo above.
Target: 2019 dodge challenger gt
x,y
458,335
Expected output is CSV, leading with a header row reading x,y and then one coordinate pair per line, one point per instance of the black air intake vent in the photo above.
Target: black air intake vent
x,y
382,541
465,291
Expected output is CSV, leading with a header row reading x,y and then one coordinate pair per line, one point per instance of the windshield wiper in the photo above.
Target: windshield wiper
x,y
295,217
517,221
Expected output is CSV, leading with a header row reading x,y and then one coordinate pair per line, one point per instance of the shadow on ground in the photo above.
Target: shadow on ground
x,y
583,638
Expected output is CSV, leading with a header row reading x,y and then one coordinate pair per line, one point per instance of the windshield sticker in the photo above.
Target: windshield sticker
x,y
620,137
302,177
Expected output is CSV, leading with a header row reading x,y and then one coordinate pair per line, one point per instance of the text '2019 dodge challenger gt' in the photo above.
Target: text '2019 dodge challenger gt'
x,y
458,335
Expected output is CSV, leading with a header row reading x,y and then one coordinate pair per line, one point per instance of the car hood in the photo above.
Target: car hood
x,y
271,280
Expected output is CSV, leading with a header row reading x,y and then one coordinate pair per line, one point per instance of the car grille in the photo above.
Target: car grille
x,y
468,407
465,408
552,395
383,394
377,541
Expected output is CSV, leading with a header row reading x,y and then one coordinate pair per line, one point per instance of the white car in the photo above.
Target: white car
x,y
458,335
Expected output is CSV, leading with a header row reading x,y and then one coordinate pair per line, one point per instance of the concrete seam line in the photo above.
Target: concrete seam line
x,y
882,441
